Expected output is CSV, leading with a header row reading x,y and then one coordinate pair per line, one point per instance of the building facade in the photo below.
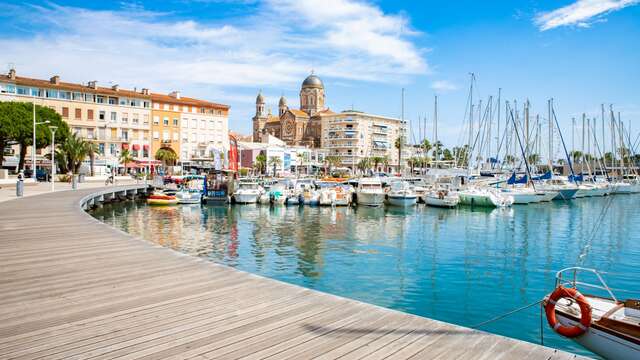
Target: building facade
x,y
118,119
192,128
113,118
296,127
354,135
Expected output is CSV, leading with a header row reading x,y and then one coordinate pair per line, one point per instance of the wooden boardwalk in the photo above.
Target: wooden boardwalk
x,y
74,288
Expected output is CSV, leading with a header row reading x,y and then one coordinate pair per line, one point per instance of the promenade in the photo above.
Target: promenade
x,y
72,287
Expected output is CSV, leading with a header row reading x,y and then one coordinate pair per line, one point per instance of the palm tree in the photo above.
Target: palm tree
x,y
377,160
509,159
166,155
92,149
74,151
333,161
534,159
275,161
385,162
399,143
576,156
261,162
364,164
125,158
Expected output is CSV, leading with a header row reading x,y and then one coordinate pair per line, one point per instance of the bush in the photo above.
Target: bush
x,y
244,172
65,178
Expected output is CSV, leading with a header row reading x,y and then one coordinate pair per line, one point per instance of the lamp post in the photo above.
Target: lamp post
x,y
33,145
53,156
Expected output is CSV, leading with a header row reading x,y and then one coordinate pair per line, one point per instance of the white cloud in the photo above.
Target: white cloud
x,y
581,13
442,86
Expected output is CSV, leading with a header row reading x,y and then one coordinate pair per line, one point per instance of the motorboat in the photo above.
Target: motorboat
x,y
216,190
484,197
159,198
191,189
336,195
278,193
370,192
311,197
602,323
186,196
247,192
420,187
402,194
441,198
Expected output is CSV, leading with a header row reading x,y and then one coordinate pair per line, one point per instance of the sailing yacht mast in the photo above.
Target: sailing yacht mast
x,y
550,153
435,127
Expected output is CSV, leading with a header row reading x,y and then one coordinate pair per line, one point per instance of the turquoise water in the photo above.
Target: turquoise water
x,y
462,266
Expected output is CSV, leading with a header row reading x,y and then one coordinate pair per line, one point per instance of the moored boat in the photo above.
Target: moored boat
x,y
484,198
158,198
603,324
402,194
370,192
441,198
247,192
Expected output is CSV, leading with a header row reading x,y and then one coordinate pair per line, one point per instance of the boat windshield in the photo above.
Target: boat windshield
x,y
247,186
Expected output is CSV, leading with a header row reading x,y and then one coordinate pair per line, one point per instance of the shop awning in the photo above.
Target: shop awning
x,y
125,146
136,147
145,146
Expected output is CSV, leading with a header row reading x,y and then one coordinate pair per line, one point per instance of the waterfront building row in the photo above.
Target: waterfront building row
x,y
118,119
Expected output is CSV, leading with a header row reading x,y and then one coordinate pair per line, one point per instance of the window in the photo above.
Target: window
x,y
176,136
165,121
78,113
156,106
185,122
101,134
90,133
185,137
125,118
101,148
194,123
203,124
135,119
64,95
145,153
156,135
165,135
65,112
20,90
175,121
194,137
90,114
77,131
165,106
112,149
100,99
89,98
212,124
78,96
36,92
145,135
51,93
125,135
176,108
101,115
113,101
156,120
145,104
114,116
146,120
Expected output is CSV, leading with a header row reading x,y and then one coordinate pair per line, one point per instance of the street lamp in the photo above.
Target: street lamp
x,y
53,156
33,146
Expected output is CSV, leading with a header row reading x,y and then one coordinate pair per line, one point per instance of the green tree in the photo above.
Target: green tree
x,y
364,164
426,145
167,155
608,157
74,151
333,161
533,159
261,162
576,156
275,161
447,155
399,143
377,160
92,150
126,157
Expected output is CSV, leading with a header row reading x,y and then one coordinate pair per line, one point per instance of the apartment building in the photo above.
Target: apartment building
x,y
114,118
354,135
193,128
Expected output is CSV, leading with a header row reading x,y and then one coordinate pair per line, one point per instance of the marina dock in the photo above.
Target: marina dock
x,y
72,287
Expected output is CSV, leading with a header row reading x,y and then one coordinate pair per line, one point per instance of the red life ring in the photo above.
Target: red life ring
x,y
585,312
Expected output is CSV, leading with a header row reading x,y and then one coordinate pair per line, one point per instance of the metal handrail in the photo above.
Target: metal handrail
x,y
574,282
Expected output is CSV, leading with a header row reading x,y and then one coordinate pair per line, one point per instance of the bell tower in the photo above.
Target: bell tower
x,y
312,95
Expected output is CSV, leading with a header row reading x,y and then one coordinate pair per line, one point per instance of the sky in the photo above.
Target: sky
x,y
581,53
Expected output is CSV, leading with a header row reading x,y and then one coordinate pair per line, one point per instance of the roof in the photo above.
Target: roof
x,y
325,112
312,81
186,101
299,113
260,98
272,119
72,87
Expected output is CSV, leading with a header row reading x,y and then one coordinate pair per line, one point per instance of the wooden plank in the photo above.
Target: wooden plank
x,y
75,288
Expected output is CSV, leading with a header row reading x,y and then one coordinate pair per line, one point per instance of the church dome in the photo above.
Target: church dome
x,y
312,81
283,101
260,98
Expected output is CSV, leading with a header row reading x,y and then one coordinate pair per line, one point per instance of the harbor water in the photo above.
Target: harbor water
x,y
462,266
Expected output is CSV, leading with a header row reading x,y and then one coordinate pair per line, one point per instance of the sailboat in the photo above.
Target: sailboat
x,y
603,324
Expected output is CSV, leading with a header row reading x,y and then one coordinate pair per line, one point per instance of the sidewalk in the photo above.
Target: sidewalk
x,y
9,193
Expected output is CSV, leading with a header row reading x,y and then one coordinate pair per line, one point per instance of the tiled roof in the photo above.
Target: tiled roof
x,y
186,101
326,112
299,113
272,119
72,87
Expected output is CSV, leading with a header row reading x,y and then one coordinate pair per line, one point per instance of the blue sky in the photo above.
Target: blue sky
x,y
582,53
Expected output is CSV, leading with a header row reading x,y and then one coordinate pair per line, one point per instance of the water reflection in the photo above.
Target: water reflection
x,y
463,265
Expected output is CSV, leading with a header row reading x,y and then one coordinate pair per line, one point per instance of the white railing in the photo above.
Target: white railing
x,y
572,280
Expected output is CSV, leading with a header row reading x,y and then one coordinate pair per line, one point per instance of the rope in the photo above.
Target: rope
x,y
506,314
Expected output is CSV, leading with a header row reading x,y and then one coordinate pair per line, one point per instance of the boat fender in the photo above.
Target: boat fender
x,y
585,312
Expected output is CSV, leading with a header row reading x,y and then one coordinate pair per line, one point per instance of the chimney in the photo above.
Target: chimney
x,y
93,84
145,91
12,74
175,94
55,80
115,87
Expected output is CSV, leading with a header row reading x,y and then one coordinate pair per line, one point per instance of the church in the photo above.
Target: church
x,y
296,127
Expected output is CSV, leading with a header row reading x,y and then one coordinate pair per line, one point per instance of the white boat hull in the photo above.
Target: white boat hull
x,y
188,198
244,198
446,202
402,201
603,343
371,198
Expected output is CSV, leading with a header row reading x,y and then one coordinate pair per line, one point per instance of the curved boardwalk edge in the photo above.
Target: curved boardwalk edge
x,y
73,287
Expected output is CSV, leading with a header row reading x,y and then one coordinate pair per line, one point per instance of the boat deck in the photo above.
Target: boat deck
x,y
74,288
